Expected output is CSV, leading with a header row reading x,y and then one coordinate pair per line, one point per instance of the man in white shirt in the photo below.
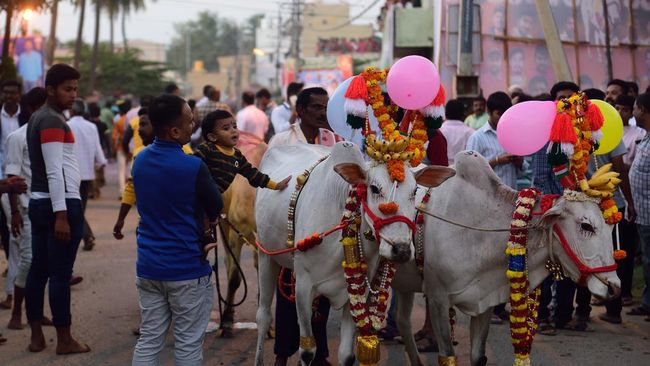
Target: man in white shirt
x,y
89,153
632,135
284,115
311,106
250,118
9,114
455,131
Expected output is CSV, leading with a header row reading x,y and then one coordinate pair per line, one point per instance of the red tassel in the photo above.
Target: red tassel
x,y
562,130
440,97
595,116
357,89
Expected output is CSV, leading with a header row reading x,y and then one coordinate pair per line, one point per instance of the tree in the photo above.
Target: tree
x,y
120,72
127,6
51,42
95,52
81,5
216,36
113,7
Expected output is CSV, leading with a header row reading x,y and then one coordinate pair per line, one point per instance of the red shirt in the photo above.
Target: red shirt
x,y
437,149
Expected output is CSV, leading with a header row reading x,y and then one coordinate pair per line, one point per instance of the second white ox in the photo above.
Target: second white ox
x,y
466,268
320,207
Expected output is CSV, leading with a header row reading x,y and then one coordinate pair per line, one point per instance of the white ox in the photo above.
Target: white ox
x,y
320,207
466,268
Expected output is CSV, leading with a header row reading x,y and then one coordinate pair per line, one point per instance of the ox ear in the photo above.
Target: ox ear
x,y
352,173
550,217
433,175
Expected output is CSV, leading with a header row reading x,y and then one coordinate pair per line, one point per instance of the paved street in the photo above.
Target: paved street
x,y
105,311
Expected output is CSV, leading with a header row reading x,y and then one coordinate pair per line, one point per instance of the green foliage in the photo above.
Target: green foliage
x,y
210,37
121,72
8,70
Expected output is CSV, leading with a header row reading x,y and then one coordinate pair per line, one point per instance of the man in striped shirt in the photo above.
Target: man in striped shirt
x,y
55,211
484,141
640,182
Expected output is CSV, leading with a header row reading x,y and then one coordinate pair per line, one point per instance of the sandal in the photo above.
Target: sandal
x,y
639,311
546,328
578,326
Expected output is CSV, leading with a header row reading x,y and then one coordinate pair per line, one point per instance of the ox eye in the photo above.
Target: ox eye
x,y
375,190
587,229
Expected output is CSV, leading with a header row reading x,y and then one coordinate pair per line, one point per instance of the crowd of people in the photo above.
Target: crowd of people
x,y
54,146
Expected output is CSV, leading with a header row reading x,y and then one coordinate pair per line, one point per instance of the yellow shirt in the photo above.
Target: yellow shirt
x,y
137,140
128,196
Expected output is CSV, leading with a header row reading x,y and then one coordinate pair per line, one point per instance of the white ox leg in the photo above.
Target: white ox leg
x,y
403,320
268,276
348,330
439,312
478,330
304,301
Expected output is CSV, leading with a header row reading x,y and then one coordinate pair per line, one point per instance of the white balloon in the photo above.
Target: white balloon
x,y
336,116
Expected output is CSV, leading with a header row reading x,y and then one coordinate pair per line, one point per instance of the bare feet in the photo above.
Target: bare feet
x,y
38,343
70,347
15,323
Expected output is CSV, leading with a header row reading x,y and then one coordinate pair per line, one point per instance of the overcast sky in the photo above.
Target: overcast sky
x,y
155,23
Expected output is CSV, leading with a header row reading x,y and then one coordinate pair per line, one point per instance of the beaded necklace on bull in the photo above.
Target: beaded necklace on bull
x,y
574,137
396,147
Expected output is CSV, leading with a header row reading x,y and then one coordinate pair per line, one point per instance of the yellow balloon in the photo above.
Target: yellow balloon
x,y
612,127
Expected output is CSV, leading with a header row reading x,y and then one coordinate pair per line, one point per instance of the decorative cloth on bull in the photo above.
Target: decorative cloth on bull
x,y
397,143
575,135
524,304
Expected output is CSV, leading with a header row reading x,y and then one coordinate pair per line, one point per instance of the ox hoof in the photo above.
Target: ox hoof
x,y
226,333
349,361
481,361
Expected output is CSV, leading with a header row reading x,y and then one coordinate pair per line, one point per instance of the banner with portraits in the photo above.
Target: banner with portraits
x,y
513,50
27,53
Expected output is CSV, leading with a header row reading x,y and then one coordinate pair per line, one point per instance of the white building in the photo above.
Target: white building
x,y
271,47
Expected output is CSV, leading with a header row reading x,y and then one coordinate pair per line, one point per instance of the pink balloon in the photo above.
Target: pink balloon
x,y
413,82
526,127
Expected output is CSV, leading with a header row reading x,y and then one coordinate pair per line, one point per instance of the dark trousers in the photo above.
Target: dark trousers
x,y
85,188
287,332
4,232
628,237
52,260
566,291
545,297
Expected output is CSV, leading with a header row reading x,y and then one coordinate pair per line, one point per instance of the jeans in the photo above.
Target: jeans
x,y
84,190
52,260
20,254
644,233
188,303
628,239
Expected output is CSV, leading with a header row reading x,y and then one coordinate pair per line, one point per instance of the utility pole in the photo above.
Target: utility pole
x,y
278,49
608,46
553,41
295,35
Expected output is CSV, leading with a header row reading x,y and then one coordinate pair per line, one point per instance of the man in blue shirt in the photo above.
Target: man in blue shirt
x,y
175,194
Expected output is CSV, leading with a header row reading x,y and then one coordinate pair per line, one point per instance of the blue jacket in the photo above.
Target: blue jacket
x,y
175,192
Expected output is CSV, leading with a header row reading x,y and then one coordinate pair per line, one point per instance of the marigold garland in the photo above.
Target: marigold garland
x,y
575,135
396,146
368,314
524,304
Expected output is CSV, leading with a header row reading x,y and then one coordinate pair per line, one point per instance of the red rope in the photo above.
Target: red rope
x,y
291,285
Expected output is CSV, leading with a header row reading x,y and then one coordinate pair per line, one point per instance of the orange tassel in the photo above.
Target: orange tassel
x,y
562,130
357,89
440,97
620,254
595,116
